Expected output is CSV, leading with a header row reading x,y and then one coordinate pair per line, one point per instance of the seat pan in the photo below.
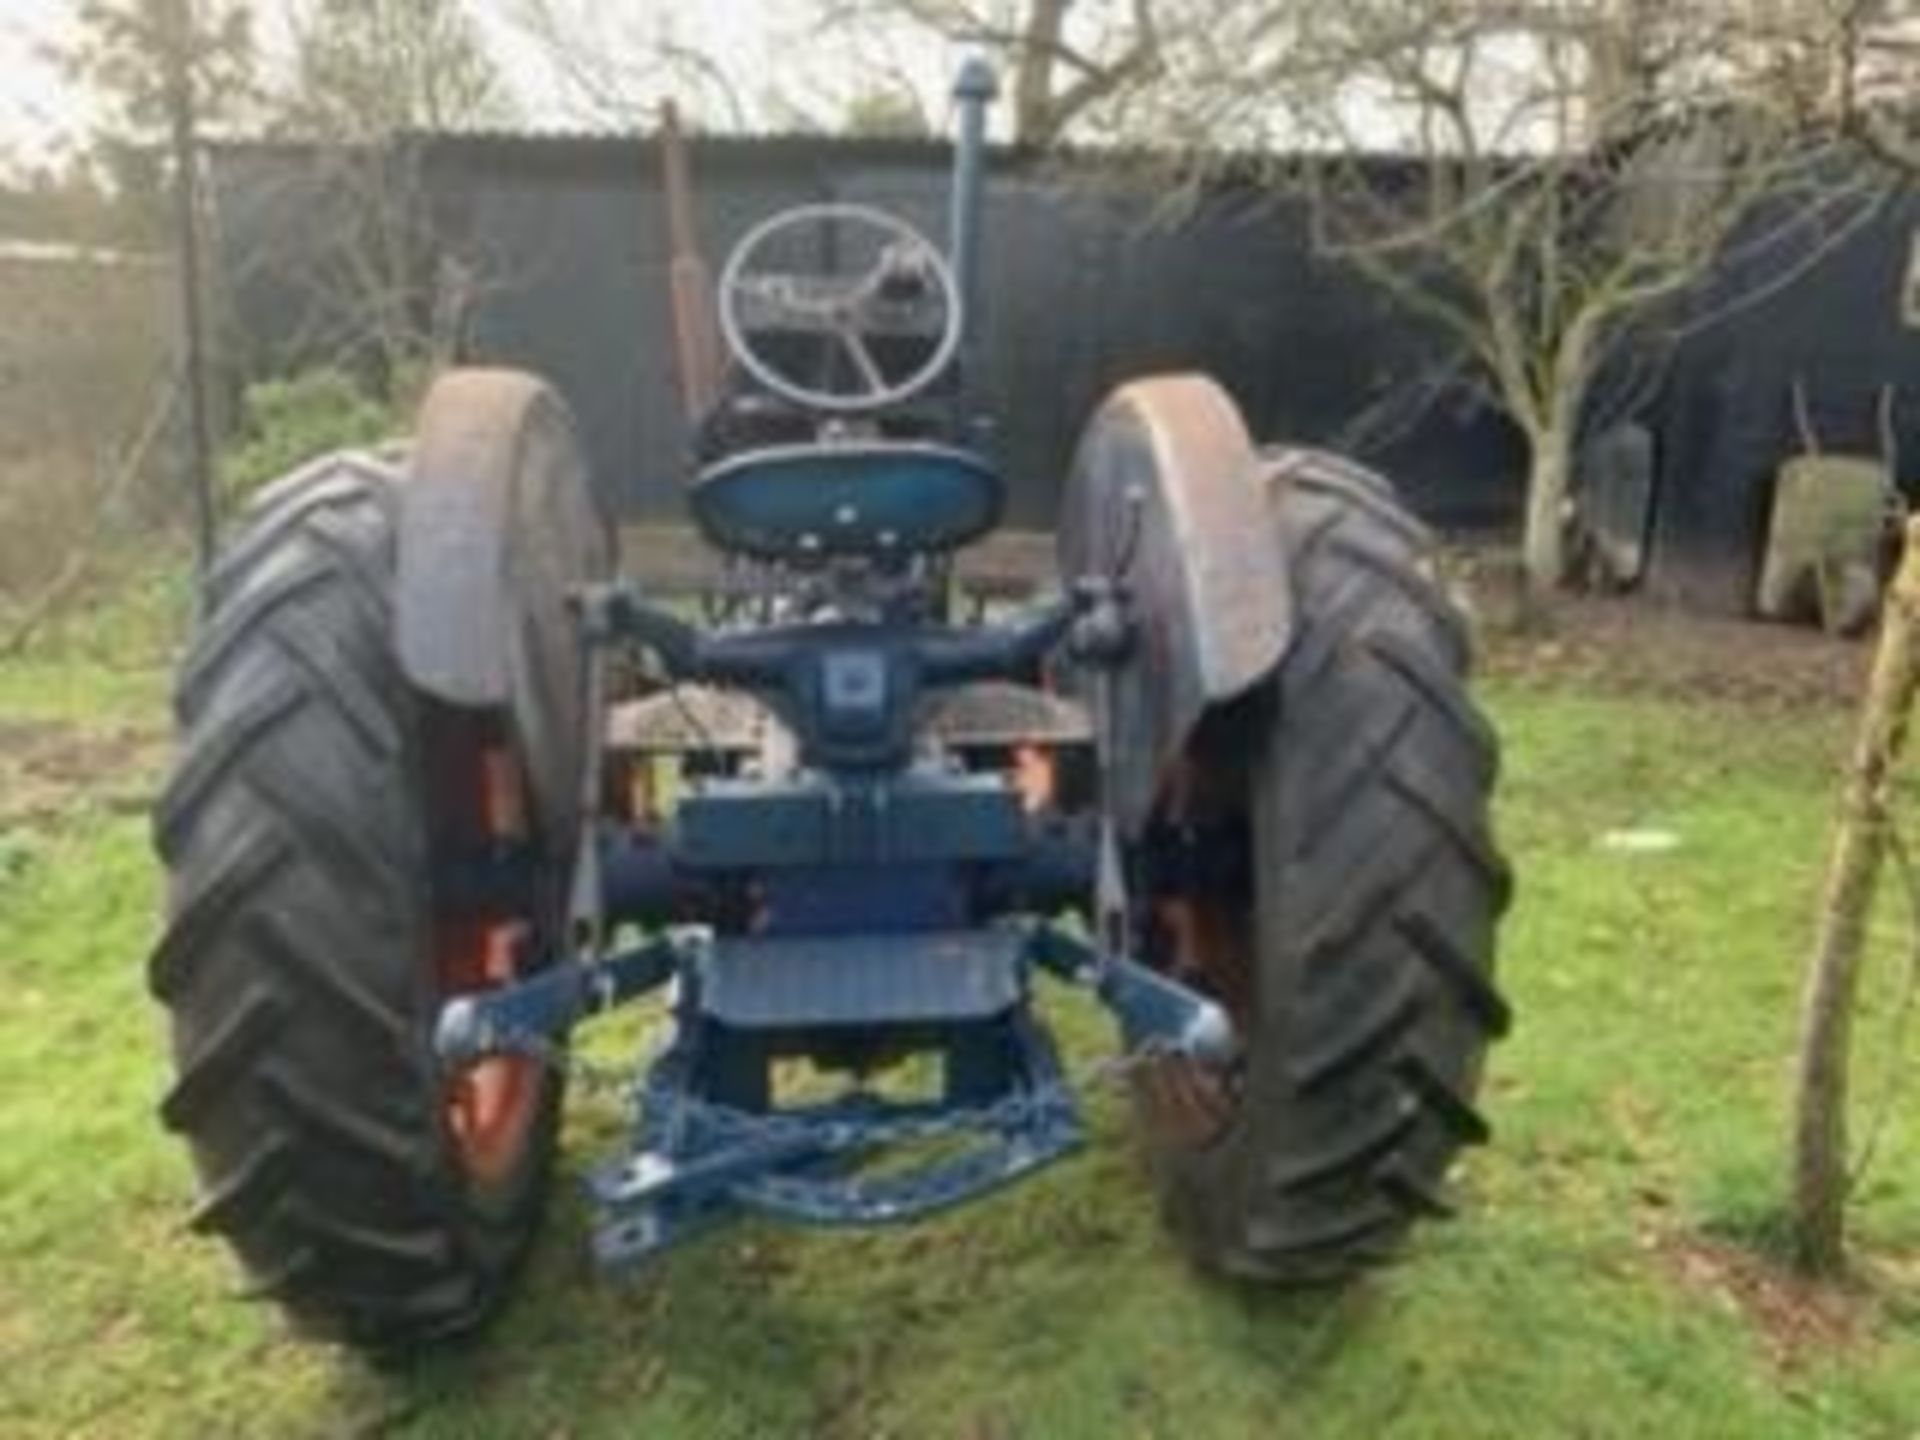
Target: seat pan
x,y
871,497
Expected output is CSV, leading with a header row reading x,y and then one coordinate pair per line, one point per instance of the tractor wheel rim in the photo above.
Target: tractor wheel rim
x,y
1192,1102
491,1114
1201,942
488,1107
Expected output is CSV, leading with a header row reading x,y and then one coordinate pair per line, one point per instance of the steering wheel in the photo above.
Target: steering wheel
x,y
890,299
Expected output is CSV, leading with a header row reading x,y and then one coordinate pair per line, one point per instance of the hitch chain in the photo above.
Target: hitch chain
x,y
593,1077
837,1135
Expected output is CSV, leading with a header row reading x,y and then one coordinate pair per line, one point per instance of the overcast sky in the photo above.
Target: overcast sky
x,y
760,42
34,104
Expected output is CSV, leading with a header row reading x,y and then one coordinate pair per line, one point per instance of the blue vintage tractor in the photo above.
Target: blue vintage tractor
x,y
450,784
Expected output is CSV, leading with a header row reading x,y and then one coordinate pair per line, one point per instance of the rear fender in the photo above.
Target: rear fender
x,y
498,522
1211,597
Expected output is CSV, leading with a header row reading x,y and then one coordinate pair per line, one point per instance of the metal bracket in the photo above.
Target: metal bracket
x,y
522,1017
1153,1009
697,1161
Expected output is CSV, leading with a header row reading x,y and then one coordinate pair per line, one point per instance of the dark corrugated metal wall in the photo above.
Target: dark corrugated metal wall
x,y
1090,280
1725,419
1092,277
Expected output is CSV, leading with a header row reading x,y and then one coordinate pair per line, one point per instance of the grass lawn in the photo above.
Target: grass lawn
x,y
1605,1277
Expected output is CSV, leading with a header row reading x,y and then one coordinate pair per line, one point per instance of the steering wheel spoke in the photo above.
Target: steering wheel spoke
x,y
776,302
846,311
863,361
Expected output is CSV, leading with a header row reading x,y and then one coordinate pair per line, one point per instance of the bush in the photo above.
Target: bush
x,y
285,423
71,584
83,357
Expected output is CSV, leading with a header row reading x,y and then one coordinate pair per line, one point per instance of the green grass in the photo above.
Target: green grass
x,y
104,665
1638,1108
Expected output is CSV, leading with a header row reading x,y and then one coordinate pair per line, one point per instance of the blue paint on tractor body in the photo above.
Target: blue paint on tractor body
x,y
804,501
709,1145
865,896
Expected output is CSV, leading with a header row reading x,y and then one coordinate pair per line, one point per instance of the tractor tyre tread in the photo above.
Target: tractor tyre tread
x,y
294,828
1378,890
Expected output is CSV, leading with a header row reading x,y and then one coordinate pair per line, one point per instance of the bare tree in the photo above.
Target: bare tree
x,y
1538,181
1067,61
120,52
1845,64
1072,65
367,78
363,262
616,67
886,82
892,113
1865,835
375,68
163,70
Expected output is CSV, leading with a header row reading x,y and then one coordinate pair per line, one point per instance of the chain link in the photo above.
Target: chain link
x,y
1109,1071
726,1122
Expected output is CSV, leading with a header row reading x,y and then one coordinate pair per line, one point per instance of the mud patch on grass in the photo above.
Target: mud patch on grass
x,y
1797,1319
1629,646
47,767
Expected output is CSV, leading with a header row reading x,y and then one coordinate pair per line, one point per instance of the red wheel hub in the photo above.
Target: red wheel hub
x,y
479,797
1203,942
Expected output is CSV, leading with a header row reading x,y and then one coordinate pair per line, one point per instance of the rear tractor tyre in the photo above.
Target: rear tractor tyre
x,y
1350,930
310,828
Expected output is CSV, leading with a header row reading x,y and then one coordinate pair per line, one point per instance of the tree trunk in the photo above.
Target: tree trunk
x,y
1832,987
1033,114
1549,474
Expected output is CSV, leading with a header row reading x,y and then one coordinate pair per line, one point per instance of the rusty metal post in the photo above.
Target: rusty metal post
x,y
696,344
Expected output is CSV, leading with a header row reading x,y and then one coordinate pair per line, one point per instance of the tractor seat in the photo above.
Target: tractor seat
x,y
869,497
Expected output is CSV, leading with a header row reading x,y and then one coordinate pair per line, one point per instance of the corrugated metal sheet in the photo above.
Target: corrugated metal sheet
x,y
1091,279
1088,282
